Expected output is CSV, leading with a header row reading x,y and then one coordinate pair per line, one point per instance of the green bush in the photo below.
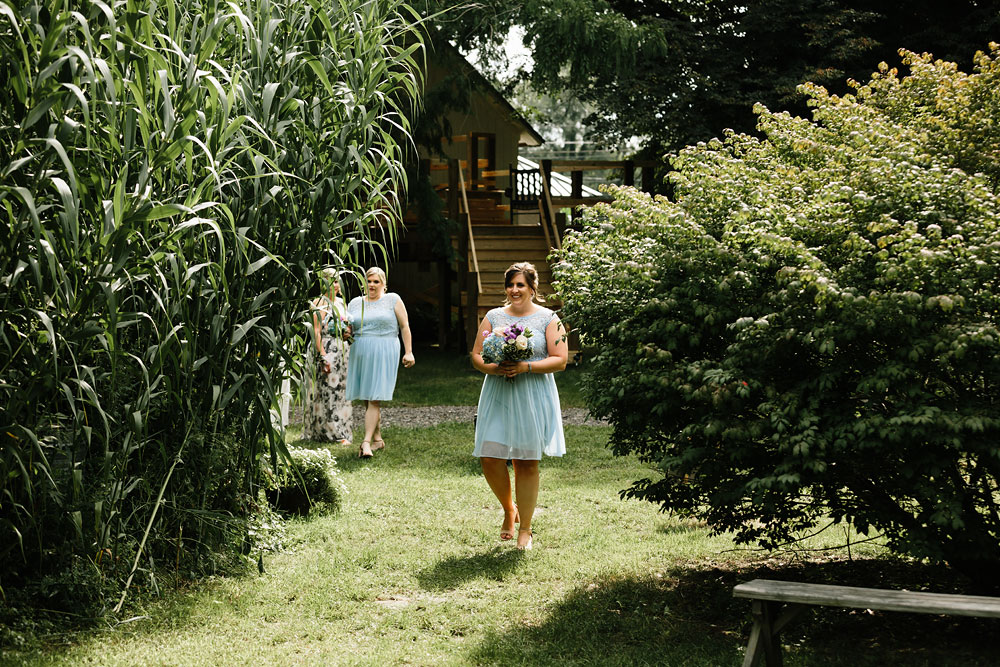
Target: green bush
x,y
809,331
308,480
172,173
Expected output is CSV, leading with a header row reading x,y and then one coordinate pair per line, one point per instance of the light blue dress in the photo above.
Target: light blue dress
x,y
375,354
520,419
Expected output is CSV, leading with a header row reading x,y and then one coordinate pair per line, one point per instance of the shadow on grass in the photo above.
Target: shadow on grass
x,y
682,528
452,572
612,621
688,616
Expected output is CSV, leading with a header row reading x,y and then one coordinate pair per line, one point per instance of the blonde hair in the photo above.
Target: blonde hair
x,y
380,273
526,269
328,278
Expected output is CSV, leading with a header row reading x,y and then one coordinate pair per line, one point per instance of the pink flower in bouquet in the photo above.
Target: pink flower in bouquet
x,y
508,343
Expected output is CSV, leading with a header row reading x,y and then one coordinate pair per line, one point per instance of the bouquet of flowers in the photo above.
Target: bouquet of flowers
x,y
338,327
509,343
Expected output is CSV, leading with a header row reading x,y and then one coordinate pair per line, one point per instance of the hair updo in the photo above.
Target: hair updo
x,y
526,269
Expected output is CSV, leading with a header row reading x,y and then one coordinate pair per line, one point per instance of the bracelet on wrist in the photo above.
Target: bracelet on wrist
x,y
529,367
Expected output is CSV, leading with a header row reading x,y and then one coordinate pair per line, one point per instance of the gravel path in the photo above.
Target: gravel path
x,y
431,415
420,416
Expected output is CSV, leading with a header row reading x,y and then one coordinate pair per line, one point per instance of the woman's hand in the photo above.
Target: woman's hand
x,y
408,360
324,365
511,368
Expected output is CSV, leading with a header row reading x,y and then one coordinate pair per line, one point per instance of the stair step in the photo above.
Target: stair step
x,y
508,243
499,264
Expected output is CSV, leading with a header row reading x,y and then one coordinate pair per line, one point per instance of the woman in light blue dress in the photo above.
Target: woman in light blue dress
x,y
377,322
521,419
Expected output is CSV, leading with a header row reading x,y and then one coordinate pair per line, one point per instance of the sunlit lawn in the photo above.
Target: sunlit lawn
x,y
411,571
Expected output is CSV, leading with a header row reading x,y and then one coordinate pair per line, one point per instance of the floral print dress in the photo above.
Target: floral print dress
x,y
327,411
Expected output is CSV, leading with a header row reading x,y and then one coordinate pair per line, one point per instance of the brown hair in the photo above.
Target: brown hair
x,y
526,269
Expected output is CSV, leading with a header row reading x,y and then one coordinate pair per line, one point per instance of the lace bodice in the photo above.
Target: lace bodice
x,y
537,322
376,318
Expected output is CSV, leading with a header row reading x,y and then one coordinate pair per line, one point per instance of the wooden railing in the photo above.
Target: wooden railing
x,y
472,237
547,220
548,202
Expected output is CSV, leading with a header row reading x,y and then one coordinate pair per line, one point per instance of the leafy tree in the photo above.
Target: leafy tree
x,y
677,72
810,332
172,174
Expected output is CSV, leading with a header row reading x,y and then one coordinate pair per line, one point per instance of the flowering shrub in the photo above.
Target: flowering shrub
x,y
810,331
312,482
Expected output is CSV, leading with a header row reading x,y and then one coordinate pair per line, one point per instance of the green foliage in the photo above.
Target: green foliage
x,y
811,330
307,480
172,174
675,72
414,567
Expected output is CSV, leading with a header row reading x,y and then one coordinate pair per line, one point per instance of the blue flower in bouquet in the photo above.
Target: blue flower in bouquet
x,y
510,343
338,326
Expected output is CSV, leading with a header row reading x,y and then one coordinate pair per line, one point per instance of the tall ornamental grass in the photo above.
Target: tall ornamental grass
x,y
172,172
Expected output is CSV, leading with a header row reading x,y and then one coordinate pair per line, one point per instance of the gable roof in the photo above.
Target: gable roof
x,y
529,136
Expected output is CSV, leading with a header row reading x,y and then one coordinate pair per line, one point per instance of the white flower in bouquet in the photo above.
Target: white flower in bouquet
x,y
508,343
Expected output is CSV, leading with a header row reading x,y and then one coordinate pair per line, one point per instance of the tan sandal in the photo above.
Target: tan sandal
x,y
382,446
527,545
361,450
508,533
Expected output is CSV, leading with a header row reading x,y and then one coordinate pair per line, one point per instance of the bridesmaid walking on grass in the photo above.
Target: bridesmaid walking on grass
x,y
327,411
519,417
378,319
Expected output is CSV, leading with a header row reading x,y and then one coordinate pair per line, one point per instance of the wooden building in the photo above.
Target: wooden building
x,y
508,210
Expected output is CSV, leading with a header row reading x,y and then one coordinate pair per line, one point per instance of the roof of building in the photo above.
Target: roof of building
x,y
529,135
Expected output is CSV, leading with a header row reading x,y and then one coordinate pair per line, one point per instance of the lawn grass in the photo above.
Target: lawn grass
x,y
411,571
445,377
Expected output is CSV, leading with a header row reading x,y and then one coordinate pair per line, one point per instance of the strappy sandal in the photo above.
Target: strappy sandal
x,y
527,545
508,533
361,450
382,446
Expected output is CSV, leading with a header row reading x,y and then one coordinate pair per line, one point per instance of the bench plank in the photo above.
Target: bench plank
x,y
869,598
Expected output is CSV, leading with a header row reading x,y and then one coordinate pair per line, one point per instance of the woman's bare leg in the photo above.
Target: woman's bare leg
x,y
377,442
526,487
373,418
495,472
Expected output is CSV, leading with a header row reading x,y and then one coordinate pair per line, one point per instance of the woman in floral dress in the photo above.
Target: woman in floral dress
x,y
327,410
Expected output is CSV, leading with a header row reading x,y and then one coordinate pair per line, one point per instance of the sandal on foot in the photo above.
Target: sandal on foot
x,y
381,445
508,533
361,450
527,545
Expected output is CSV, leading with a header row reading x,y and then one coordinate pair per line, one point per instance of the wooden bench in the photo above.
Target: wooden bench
x,y
776,603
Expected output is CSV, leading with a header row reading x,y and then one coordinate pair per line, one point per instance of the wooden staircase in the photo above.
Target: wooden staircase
x,y
499,246
487,242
